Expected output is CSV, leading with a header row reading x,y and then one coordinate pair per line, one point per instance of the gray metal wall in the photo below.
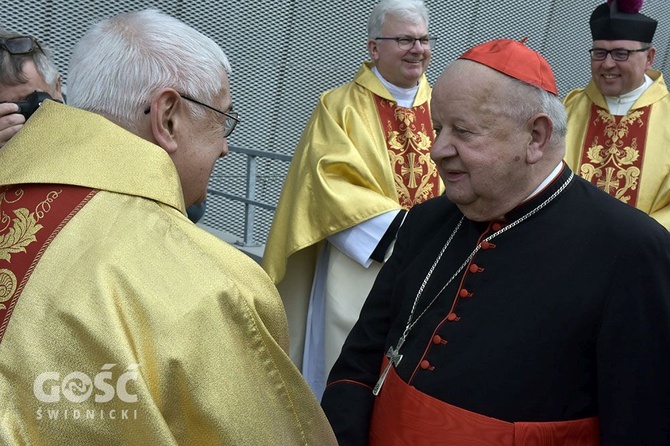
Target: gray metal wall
x,y
284,53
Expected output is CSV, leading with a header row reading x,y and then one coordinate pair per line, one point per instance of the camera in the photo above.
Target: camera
x,y
32,102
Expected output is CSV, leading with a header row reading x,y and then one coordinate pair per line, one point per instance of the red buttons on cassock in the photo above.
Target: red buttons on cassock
x,y
474,268
496,227
452,317
426,365
488,245
437,339
464,293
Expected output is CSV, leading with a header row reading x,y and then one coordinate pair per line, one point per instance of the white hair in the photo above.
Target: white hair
x,y
120,63
536,100
411,10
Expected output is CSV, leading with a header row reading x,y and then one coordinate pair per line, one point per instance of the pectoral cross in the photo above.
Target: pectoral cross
x,y
394,359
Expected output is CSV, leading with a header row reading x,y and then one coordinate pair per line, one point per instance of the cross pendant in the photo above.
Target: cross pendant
x,y
394,359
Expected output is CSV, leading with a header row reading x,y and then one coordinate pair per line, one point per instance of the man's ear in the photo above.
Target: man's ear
x,y
164,116
59,91
541,129
372,50
650,58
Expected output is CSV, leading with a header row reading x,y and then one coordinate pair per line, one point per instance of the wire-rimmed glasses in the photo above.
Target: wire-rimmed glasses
x,y
232,118
406,42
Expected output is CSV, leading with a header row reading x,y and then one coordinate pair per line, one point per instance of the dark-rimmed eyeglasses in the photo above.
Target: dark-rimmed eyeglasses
x,y
232,118
20,45
406,43
618,54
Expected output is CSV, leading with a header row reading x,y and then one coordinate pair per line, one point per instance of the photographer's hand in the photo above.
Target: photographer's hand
x,y
10,121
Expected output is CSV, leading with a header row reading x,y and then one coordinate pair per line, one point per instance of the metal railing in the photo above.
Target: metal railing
x,y
250,202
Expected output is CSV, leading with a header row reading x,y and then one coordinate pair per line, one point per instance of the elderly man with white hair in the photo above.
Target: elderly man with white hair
x,y
121,322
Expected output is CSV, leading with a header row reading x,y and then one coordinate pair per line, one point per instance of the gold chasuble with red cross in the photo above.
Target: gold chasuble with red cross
x,y
360,156
626,156
409,137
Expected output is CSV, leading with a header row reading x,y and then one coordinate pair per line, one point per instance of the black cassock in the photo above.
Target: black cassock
x,y
564,316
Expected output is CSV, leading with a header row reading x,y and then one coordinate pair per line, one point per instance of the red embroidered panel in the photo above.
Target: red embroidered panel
x,y
408,133
403,415
31,215
614,150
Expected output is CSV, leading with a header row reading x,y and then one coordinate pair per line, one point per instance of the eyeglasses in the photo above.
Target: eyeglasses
x,y
20,45
232,118
406,43
618,54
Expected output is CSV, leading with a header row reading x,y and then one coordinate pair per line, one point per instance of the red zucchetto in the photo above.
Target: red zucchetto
x,y
516,60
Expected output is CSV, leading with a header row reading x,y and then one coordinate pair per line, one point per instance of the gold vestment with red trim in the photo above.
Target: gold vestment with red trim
x,y
39,212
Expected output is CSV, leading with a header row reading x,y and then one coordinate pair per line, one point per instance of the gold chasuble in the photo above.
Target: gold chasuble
x,y
360,156
626,156
121,321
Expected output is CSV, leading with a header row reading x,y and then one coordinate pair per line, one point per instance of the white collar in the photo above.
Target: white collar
x,y
619,105
551,177
403,96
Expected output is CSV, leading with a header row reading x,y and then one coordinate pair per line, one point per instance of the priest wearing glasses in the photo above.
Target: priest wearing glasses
x,y
618,132
28,75
121,322
362,161
508,314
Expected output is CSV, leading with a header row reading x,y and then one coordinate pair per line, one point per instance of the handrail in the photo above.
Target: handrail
x,y
261,153
250,203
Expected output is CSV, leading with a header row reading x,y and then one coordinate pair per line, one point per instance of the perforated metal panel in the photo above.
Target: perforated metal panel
x,y
285,53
